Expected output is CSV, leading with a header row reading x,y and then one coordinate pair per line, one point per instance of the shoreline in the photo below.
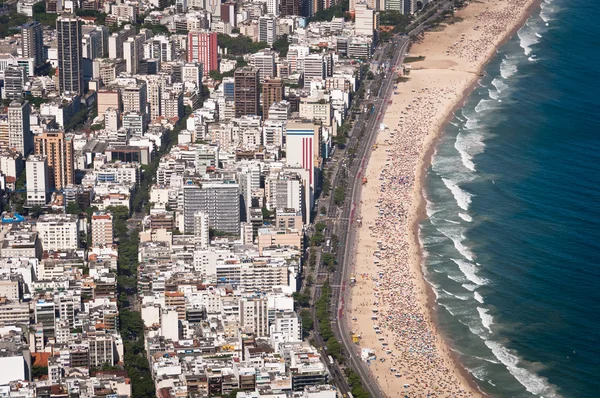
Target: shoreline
x,y
418,211
448,374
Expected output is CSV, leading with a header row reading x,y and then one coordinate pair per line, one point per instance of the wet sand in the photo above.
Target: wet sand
x,y
393,295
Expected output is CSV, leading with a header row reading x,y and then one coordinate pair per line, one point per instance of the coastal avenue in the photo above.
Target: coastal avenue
x,y
339,221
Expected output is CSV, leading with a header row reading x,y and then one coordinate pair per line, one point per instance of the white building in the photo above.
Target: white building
x,y
38,180
201,230
102,229
58,231
267,29
288,325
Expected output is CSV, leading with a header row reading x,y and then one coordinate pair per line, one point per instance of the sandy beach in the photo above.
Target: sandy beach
x,y
391,305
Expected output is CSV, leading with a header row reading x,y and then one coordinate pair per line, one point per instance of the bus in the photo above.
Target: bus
x,y
330,360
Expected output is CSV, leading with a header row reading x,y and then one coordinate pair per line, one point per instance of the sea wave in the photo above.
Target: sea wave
x,y
471,123
507,68
465,217
486,319
470,287
500,85
462,197
470,272
484,105
478,297
456,236
532,382
546,12
494,94
469,145
527,38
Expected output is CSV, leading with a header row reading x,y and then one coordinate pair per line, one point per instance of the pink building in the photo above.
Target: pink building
x,y
202,47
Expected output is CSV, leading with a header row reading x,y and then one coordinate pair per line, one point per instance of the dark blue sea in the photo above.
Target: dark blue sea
x,y
513,202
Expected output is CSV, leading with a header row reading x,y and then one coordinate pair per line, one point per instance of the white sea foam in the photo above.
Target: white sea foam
x,y
447,309
507,68
527,38
458,279
462,197
478,297
462,298
469,144
500,85
546,12
533,383
484,105
457,240
432,240
470,287
465,217
486,319
479,372
471,123
494,94
430,208
470,271
538,35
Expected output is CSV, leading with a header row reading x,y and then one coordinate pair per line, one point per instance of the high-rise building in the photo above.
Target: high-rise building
x,y
32,44
272,92
58,150
172,104
290,7
246,92
201,230
314,68
264,61
38,181
58,231
69,40
303,151
19,131
228,13
102,229
154,99
273,7
267,29
220,201
134,97
192,73
228,84
366,20
202,47
133,53
14,80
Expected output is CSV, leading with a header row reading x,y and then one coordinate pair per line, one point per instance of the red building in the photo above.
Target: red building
x,y
202,47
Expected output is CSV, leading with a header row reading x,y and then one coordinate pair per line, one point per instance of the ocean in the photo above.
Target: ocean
x,y
512,237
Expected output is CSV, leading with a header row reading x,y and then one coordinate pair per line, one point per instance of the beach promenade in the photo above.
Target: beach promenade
x,y
390,306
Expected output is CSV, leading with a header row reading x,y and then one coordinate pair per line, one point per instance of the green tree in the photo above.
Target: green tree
x,y
334,348
240,45
39,371
36,211
307,322
339,195
328,259
317,239
282,45
73,208
320,226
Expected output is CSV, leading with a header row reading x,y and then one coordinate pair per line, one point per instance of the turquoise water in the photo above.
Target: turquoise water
x,y
513,202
